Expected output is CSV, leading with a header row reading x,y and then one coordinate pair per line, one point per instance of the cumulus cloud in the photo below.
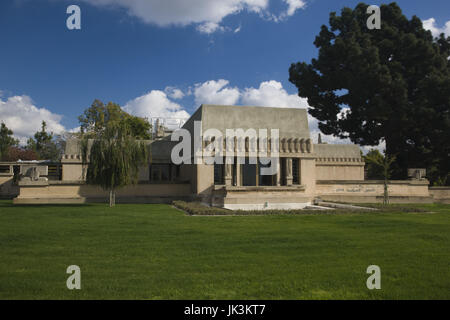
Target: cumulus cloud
x,y
431,25
182,12
272,94
174,93
216,92
24,118
209,27
155,104
293,6
207,15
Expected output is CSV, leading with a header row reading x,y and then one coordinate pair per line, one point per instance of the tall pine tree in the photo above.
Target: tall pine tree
x,y
393,82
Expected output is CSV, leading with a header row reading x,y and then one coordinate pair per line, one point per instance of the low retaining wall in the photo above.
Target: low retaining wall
x,y
371,191
67,192
440,194
8,189
260,198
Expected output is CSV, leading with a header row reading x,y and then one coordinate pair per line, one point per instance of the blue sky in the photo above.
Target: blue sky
x,y
154,57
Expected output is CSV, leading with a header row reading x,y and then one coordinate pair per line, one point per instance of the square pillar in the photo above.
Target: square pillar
x,y
278,183
238,167
288,169
228,174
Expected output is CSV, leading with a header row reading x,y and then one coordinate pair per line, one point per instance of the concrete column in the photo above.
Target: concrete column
x,y
289,177
308,175
228,174
279,172
238,173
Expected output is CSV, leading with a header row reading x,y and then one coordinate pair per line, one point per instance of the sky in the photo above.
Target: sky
x,y
161,58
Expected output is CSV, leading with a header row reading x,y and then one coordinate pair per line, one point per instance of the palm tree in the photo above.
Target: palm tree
x,y
383,163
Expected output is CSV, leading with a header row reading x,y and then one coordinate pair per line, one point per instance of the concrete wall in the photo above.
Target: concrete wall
x,y
340,171
76,192
8,189
308,175
408,191
260,198
440,194
204,179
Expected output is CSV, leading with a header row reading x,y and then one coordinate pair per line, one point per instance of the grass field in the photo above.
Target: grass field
x,y
158,252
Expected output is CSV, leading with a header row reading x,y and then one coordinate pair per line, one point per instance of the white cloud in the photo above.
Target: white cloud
x,y
207,15
209,27
216,92
174,93
430,24
272,94
293,6
182,12
25,119
155,104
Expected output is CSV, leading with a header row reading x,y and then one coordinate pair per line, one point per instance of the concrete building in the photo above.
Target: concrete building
x,y
304,172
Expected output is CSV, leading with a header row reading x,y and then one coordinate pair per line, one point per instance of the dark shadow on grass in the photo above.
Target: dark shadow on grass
x,y
10,204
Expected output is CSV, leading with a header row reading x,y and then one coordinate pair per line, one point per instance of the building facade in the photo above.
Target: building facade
x,y
302,172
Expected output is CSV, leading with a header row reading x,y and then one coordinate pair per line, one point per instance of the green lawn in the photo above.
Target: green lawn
x,y
158,252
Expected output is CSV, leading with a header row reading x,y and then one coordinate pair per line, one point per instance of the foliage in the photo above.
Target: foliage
x,y
374,172
113,158
394,84
383,165
44,144
95,119
18,153
6,141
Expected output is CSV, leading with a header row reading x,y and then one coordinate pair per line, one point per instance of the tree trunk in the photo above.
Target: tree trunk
x,y
386,193
112,198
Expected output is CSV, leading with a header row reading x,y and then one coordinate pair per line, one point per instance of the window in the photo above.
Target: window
x,y
283,171
296,171
266,180
5,169
54,172
160,172
249,173
219,174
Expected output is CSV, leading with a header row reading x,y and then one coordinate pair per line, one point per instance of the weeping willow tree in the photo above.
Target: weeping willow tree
x,y
113,158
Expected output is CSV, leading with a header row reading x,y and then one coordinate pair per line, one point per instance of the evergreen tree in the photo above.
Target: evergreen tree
x,y
44,145
6,141
393,82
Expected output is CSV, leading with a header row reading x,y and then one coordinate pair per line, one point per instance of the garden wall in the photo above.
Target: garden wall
x,y
440,194
371,191
43,192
